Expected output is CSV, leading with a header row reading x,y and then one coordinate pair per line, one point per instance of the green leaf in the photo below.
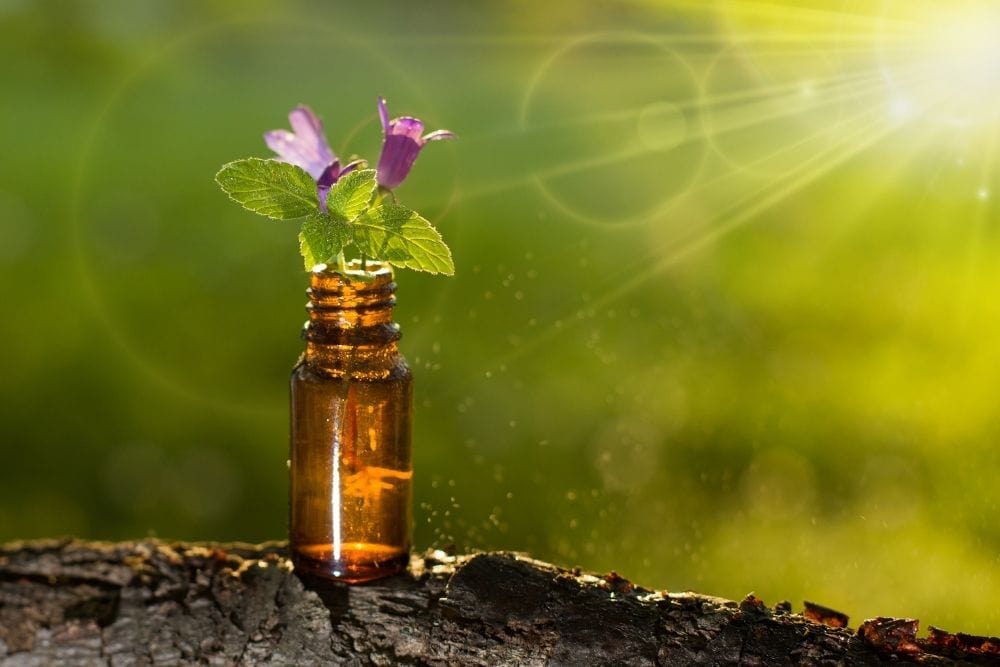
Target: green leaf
x,y
321,238
276,189
399,236
351,194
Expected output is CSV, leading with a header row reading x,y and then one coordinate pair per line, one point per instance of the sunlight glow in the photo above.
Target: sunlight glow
x,y
969,49
957,45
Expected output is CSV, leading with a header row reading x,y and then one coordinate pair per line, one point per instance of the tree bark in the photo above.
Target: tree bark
x,y
151,602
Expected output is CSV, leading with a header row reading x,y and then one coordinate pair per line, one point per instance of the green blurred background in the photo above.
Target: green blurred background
x,y
725,315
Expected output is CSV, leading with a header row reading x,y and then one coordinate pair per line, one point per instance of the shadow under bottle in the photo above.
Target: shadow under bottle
x,y
350,471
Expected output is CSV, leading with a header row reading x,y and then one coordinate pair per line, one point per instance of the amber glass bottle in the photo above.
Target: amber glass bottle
x,y
350,471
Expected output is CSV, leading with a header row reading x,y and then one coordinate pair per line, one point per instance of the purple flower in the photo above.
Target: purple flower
x,y
306,147
401,146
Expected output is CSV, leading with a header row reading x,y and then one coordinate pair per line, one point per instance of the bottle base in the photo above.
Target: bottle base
x,y
357,562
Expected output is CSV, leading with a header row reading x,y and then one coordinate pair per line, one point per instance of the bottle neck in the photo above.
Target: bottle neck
x,y
350,320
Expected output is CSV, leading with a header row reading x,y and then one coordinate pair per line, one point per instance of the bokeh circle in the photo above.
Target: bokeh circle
x,y
626,151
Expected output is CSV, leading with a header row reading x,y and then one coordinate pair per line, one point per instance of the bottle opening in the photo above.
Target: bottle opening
x,y
369,271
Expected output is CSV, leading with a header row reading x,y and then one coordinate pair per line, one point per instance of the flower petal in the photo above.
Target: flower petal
x,y
349,167
398,155
280,141
383,113
322,192
439,134
291,149
308,127
407,127
329,175
306,148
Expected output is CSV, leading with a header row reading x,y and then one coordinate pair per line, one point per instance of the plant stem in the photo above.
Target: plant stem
x,y
381,193
341,263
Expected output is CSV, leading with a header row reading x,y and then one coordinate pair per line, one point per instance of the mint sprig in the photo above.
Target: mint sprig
x,y
353,216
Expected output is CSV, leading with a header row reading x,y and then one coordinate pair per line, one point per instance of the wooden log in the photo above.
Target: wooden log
x,y
164,603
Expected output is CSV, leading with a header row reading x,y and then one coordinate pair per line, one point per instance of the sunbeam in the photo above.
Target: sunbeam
x,y
736,215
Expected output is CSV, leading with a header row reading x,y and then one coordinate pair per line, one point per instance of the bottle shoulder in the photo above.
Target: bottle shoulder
x,y
317,370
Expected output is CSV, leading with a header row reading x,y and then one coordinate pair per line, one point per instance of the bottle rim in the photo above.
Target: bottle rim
x,y
371,272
